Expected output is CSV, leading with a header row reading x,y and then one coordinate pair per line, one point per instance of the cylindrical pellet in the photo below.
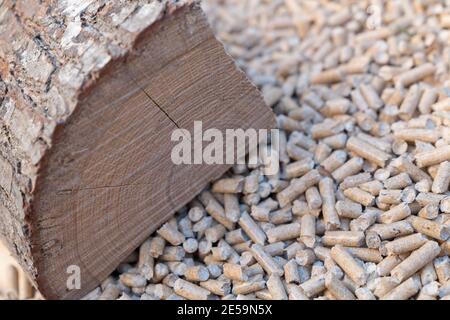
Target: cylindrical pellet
x,y
308,230
405,244
348,209
367,151
338,288
284,232
404,291
329,213
435,156
351,167
392,230
350,266
395,214
430,228
266,261
416,261
345,238
442,179
253,230
297,187
360,196
190,291
276,288
196,273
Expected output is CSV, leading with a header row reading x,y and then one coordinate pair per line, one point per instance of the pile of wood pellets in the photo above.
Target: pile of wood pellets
x,y
361,206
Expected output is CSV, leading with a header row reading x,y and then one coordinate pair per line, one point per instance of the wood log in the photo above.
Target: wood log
x,y
90,92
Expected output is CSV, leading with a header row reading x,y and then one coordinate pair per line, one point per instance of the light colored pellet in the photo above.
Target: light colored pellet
x,y
228,185
430,228
345,238
111,292
430,211
299,168
348,209
392,230
305,257
405,165
196,273
284,232
231,207
291,273
329,212
334,160
146,262
314,286
248,287
235,236
348,263
414,75
436,156
397,213
365,254
171,234
275,249
389,197
387,264
404,291
215,210
413,134
416,261
133,280
442,267
442,179
296,292
428,274
373,187
217,287
215,233
338,288
351,167
359,196
373,240
160,272
367,151
234,272
191,291
364,221
410,102
364,294
250,227
298,187
308,230
276,288
405,244
266,261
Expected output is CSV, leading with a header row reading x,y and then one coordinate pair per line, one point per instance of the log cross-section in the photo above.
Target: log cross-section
x,y
90,92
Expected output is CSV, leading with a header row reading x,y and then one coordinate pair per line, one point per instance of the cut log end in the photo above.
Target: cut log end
x,y
108,181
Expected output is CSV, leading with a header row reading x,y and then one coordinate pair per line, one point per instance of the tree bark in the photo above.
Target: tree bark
x,y
90,92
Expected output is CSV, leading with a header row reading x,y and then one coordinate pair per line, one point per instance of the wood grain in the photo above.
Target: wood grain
x,y
95,177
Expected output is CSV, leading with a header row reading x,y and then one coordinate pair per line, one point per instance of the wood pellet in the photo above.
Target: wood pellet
x,y
360,208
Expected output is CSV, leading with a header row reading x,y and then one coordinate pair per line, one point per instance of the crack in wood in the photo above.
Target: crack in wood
x,y
151,99
159,107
